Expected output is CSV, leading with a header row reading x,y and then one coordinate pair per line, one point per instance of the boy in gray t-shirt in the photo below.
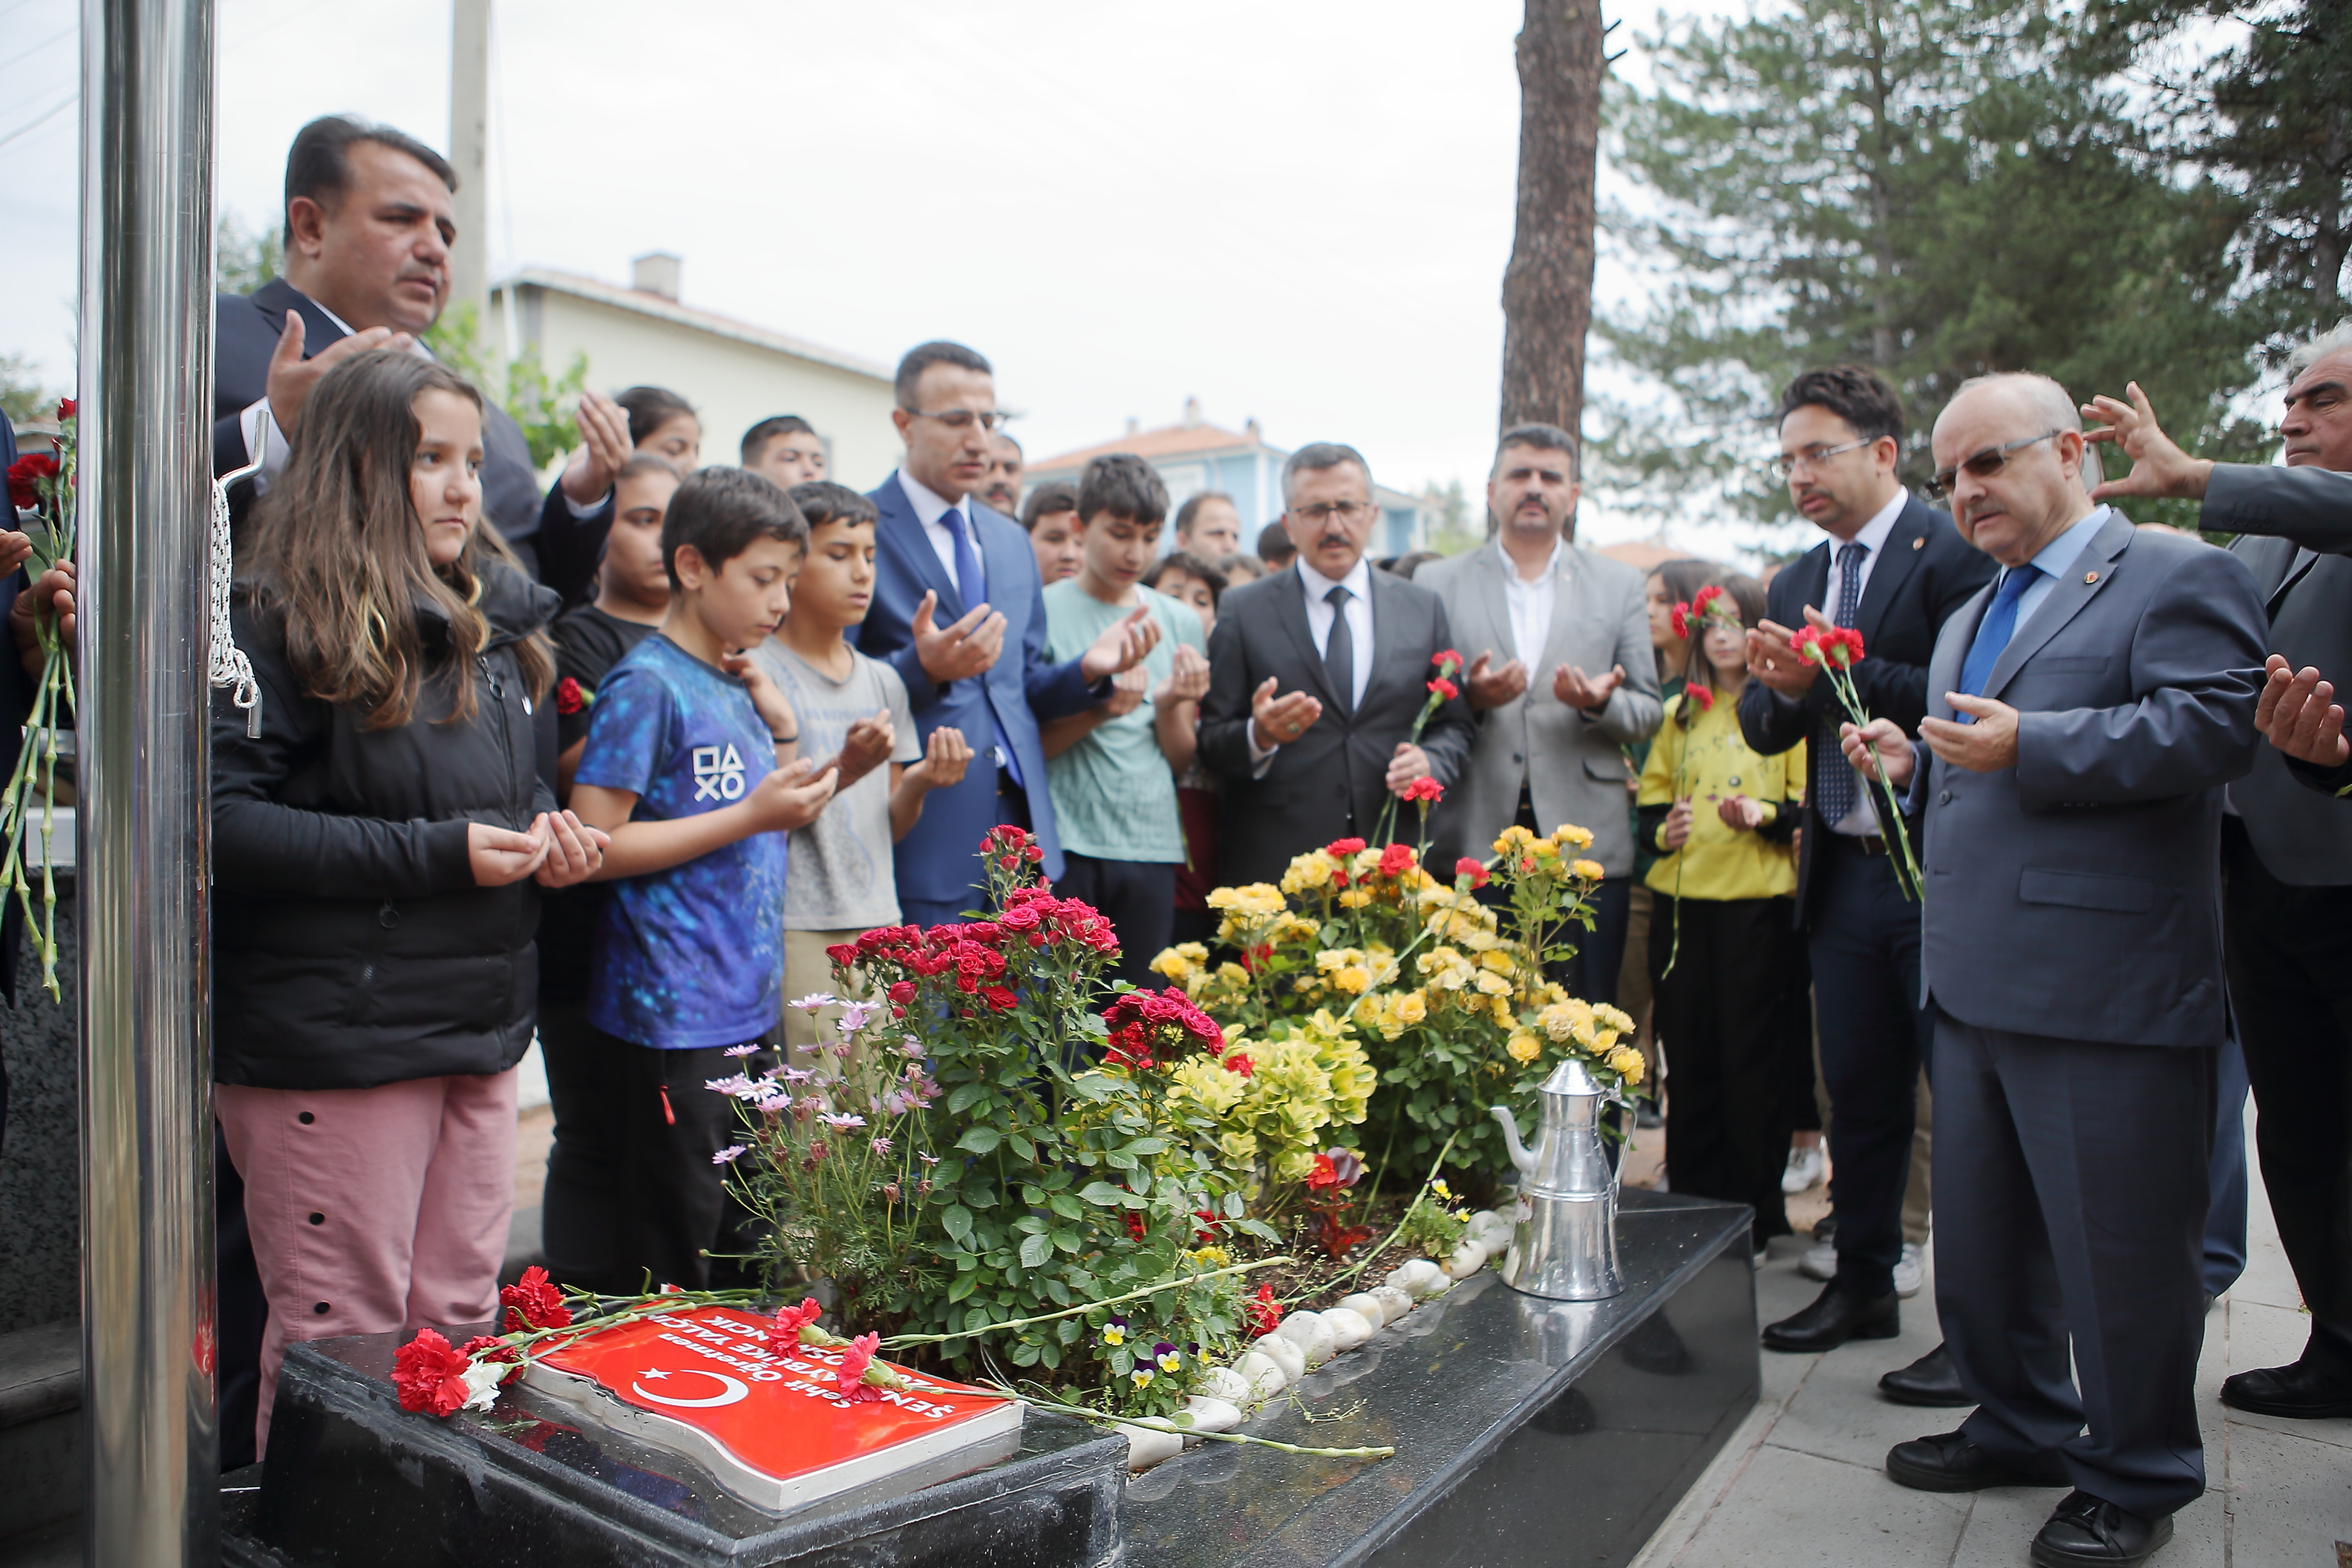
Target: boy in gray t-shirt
x,y
854,708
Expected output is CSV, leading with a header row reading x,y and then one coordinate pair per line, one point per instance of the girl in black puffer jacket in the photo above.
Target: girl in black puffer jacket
x,y
375,848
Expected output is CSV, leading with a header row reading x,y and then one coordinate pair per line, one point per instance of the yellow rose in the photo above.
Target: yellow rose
x,y
1495,959
1627,1063
1568,833
1589,869
1512,840
1355,899
1524,1047
1310,872
1492,985
1501,1007
1410,1007
1355,979
1612,1018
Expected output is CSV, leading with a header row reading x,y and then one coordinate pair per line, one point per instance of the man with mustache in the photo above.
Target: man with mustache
x,y
1316,676
2287,853
1002,488
1562,677
369,224
1893,569
2086,712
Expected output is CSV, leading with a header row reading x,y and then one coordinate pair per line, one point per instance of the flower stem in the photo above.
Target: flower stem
x,y
897,1340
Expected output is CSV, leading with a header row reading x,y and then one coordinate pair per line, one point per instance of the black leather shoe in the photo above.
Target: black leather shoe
x,y
2299,1392
1931,1380
1835,1316
2090,1533
1954,1462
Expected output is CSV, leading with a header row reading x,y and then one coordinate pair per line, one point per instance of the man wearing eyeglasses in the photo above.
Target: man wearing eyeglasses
x,y
2286,850
1316,676
2087,710
955,588
1893,569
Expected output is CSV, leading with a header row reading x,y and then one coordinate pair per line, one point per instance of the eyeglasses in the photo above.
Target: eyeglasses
x,y
963,418
1984,465
1345,511
1814,457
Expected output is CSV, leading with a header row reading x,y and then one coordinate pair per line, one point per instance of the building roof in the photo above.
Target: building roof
x,y
1173,441
654,305
1646,555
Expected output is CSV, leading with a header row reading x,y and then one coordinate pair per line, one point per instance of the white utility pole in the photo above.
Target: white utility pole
x,y
469,151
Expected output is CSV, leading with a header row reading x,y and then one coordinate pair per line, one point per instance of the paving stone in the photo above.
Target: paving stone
x,y
1788,1507
2289,1499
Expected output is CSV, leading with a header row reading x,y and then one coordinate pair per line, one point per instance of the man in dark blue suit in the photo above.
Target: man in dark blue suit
x,y
1893,569
957,612
369,222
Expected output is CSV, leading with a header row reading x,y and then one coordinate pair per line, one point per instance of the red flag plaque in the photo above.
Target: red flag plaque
x,y
766,1419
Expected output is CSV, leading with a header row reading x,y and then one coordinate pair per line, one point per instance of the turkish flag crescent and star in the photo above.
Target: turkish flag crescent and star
x,y
771,1409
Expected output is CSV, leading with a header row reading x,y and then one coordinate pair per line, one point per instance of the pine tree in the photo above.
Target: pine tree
x,y
1932,188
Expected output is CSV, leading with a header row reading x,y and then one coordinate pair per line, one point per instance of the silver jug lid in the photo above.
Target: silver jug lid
x,y
1571,1078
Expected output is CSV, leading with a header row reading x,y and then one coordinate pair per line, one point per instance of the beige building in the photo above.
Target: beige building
x,y
733,373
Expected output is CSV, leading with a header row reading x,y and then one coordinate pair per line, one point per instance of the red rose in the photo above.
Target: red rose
x,y
1473,869
1134,1225
998,997
1240,1063
569,698
24,473
429,1374
534,1303
903,992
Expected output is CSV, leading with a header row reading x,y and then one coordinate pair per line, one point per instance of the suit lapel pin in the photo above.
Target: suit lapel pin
x,y
1920,543
2090,577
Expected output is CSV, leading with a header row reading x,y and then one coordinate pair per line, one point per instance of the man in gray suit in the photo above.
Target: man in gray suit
x,y
1317,674
2286,856
1548,746
2085,710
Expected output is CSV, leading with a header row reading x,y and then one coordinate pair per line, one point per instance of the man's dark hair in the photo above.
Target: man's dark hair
x,y
1125,485
1318,456
921,357
1197,567
318,165
1413,560
1273,546
1855,393
1192,509
723,512
1543,438
641,463
821,501
1007,437
1060,495
649,408
756,439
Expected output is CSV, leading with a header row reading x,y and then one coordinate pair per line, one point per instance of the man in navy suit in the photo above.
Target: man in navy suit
x,y
2087,710
957,612
1893,569
369,222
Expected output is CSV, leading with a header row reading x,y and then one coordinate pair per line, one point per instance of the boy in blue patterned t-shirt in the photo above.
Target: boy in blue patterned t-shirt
x,y
690,765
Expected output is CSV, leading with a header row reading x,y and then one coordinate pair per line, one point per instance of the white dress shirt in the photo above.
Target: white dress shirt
x,y
931,510
1862,820
1530,605
1359,583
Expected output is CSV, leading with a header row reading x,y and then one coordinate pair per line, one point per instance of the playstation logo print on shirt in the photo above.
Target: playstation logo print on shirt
x,y
718,773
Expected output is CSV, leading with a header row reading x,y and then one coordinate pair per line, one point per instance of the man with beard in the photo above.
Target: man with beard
x,y
1002,489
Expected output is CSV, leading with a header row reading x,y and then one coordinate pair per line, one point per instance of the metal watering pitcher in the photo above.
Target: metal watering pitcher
x,y
1564,1246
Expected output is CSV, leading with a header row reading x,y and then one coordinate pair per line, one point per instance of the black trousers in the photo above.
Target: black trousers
x,y
1864,947
580,1213
646,1114
1139,898
1591,974
2070,1220
1725,1016
2290,956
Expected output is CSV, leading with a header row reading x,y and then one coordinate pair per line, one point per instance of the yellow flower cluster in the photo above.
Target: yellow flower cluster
x,y
1598,1030
1312,1076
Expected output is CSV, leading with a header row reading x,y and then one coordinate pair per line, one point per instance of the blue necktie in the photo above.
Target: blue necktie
x,y
973,588
1999,624
1835,790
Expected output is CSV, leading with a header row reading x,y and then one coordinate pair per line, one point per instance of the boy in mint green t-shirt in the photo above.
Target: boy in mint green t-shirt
x,y
1112,769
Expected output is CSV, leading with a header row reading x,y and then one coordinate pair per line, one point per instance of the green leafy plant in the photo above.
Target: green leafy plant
x,y
542,404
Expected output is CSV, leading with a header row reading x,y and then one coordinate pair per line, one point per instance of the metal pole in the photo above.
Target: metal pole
x,y
470,144
150,1441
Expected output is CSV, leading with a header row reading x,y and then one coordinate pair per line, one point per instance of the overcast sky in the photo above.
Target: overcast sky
x,y
1300,212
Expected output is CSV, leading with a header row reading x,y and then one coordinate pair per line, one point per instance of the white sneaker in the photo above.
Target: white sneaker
x,y
1819,1262
1908,1276
1805,1170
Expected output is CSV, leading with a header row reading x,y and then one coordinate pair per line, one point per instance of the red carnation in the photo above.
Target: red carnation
x,y
534,1303
24,473
1473,869
1702,696
429,1373
1340,848
1264,1315
1681,618
66,406
569,698
1397,859
1446,688
849,1377
1446,661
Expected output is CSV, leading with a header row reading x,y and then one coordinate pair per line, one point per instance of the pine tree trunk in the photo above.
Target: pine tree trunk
x,y
1548,288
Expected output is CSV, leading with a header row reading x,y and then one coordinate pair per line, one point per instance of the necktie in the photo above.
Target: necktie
x,y
973,588
1339,651
1835,787
1999,624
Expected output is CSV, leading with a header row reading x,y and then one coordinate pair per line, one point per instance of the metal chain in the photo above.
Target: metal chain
x,y
230,667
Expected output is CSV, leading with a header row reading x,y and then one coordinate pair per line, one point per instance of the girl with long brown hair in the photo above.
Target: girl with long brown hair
x,y
378,846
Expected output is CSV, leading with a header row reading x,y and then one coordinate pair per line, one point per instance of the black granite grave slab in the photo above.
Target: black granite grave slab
x,y
354,1481
1527,1431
